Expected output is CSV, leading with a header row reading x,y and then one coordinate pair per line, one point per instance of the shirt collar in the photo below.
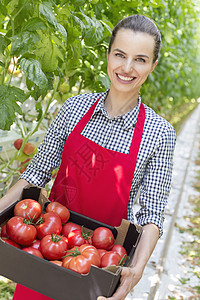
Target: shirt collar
x,y
129,119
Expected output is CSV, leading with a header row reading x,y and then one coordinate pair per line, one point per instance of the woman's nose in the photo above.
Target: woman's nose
x,y
127,67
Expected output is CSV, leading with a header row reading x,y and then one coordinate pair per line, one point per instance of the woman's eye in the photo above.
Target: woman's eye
x,y
119,55
140,59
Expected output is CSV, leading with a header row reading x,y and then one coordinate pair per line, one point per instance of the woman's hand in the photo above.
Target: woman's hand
x,y
129,278
13,194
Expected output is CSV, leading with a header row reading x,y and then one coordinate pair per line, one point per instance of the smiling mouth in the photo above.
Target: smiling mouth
x,y
125,78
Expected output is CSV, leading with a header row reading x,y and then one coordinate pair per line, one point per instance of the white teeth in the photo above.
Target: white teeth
x,y
125,78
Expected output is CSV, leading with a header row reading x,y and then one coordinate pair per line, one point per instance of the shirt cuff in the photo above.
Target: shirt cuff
x,y
144,218
36,177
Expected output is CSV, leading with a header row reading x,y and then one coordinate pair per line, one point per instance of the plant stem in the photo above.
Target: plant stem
x,y
80,86
17,153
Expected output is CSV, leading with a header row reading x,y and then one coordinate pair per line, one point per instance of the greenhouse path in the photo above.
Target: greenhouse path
x,y
166,266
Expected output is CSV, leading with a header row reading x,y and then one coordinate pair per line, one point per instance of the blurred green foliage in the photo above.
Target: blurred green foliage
x,y
66,41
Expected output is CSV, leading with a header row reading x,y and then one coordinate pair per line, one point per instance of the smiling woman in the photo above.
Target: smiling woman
x,y
132,55
132,146
130,61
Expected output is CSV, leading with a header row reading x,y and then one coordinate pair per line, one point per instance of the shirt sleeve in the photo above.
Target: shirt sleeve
x,y
39,171
156,182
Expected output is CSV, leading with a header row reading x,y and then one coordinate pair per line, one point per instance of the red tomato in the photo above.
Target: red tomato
x,y
102,252
81,259
66,240
33,251
21,231
4,232
10,242
28,148
103,238
28,208
110,258
59,209
120,250
18,143
78,238
36,244
68,227
53,247
48,223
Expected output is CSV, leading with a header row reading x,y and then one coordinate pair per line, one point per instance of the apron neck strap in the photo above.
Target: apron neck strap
x,y
85,119
137,136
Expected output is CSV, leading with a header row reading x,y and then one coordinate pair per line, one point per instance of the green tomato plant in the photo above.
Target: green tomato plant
x,y
48,51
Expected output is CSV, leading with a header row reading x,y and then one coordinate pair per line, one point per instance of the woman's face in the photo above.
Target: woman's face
x,y
130,61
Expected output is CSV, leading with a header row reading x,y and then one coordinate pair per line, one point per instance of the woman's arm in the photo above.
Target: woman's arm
x,y
13,194
130,276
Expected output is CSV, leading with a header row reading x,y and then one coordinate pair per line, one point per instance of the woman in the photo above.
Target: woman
x,y
111,145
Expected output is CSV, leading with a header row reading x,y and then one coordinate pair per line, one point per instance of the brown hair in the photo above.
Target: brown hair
x,y
139,23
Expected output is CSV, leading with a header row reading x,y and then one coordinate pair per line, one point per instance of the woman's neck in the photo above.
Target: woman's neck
x,y
117,105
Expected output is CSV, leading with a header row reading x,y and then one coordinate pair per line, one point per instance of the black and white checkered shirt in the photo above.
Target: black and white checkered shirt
x,y
153,170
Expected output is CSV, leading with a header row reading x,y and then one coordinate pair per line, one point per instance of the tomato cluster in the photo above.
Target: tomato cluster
x,y
52,236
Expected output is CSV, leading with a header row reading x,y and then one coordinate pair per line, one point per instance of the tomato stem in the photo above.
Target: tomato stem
x,y
29,218
123,259
28,222
73,253
85,235
56,238
40,221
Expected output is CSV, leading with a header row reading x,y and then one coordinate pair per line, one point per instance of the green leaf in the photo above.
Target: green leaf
x,y
78,21
78,2
3,9
24,42
58,42
61,29
34,24
50,78
4,42
29,84
93,32
9,95
107,26
33,72
48,53
104,79
46,10
22,156
20,11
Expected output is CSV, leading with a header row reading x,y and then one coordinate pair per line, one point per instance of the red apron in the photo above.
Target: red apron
x,y
95,181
